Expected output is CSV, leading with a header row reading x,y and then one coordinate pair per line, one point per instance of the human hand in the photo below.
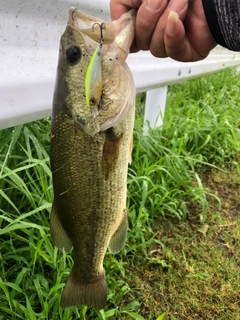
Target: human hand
x,y
176,28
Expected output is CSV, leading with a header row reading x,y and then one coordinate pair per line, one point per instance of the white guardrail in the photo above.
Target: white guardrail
x,y
30,31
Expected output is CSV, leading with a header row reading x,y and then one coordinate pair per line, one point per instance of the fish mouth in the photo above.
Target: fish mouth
x,y
116,31
90,27
80,20
118,36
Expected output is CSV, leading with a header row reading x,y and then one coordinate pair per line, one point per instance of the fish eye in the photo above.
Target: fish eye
x,y
73,54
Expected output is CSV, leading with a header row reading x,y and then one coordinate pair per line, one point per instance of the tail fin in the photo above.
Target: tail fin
x,y
92,294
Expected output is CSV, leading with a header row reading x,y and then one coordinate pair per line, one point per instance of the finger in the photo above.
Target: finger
x,y
197,32
176,45
119,7
134,48
157,45
147,17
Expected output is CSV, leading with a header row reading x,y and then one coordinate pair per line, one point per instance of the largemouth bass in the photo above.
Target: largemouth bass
x,y
90,149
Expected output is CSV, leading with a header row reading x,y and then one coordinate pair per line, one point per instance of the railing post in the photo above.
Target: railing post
x,y
154,108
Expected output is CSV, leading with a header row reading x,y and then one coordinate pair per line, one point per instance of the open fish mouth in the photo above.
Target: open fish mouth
x,y
107,44
90,26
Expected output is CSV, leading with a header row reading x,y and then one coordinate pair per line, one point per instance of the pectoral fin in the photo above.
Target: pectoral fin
x,y
59,236
111,151
119,237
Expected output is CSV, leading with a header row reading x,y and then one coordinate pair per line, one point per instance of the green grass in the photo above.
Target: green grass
x,y
176,245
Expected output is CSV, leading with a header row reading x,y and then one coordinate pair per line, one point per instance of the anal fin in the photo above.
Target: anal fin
x,y
118,239
59,236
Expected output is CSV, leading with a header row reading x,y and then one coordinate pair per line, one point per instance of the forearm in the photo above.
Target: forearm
x,y
223,17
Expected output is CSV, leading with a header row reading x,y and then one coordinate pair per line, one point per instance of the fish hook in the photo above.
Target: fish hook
x,y
101,26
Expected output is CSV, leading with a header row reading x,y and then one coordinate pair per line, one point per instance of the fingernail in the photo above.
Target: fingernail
x,y
153,5
178,6
172,23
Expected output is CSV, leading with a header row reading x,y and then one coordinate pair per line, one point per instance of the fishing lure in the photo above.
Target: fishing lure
x,y
93,81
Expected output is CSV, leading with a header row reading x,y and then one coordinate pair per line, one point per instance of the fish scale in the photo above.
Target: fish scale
x,y
89,168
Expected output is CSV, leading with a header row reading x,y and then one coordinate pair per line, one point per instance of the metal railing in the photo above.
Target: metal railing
x,y
29,41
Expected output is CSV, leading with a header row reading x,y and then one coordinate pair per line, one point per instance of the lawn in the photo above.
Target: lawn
x,y
181,260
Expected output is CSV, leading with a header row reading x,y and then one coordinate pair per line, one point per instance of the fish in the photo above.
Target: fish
x,y
90,149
